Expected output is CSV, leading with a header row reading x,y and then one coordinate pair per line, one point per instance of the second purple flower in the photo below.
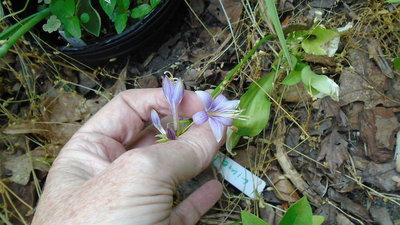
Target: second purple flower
x,y
219,112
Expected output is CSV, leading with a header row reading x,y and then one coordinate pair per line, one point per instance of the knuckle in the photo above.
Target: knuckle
x,y
142,161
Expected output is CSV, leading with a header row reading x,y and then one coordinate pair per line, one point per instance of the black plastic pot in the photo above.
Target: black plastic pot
x,y
136,38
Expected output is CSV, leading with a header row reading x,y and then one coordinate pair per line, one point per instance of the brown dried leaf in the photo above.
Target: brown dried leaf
x,y
343,220
334,150
354,88
320,59
267,213
375,50
284,189
119,85
22,166
246,158
378,130
381,175
329,108
198,6
328,212
381,215
63,114
26,193
65,107
348,205
209,45
386,127
233,9
290,171
25,127
364,82
296,93
352,111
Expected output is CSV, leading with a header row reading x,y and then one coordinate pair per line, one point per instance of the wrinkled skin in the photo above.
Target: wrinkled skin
x,y
111,172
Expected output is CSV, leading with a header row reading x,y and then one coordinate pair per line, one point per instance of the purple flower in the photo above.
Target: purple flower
x,y
169,134
173,92
157,122
219,112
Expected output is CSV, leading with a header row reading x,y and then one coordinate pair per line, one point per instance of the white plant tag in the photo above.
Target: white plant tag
x,y
238,176
75,42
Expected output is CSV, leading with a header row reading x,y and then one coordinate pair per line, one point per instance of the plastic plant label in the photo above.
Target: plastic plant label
x,y
76,42
238,176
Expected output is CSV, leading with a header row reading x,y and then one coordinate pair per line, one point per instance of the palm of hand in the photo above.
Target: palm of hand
x,y
95,180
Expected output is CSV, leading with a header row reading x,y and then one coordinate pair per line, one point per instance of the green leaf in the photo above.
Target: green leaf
x,y
396,63
256,106
320,83
299,213
316,42
108,6
141,11
84,17
70,7
73,26
251,219
92,25
392,1
1,10
120,21
273,16
294,76
124,4
154,3
231,140
52,24
317,220
63,9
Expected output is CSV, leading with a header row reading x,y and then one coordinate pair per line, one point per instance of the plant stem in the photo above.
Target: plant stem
x,y
221,87
39,16
9,31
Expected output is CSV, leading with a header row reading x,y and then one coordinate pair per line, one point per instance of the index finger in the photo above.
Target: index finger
x,y
125,115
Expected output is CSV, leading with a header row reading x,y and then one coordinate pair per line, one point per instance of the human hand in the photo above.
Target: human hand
x,y
95,180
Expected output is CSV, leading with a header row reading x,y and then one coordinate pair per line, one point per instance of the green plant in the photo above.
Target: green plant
x,y
299,213
396,63
274,18
73,16
256,102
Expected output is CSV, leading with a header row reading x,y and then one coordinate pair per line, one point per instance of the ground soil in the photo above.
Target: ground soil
x,y
340,154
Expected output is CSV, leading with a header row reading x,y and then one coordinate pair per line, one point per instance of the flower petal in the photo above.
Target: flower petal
x,y
167,89
227,121
200,117
205,98
227,105
220,99
156,121
217,128
171,134
178,91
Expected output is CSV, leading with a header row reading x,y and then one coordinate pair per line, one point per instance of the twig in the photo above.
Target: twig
x,y
221,87
289,169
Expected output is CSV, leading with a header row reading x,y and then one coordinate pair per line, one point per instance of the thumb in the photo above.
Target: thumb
x,y
197,204
185,157
167,163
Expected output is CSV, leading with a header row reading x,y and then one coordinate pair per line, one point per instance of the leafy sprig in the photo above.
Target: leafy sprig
x,y
73,16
